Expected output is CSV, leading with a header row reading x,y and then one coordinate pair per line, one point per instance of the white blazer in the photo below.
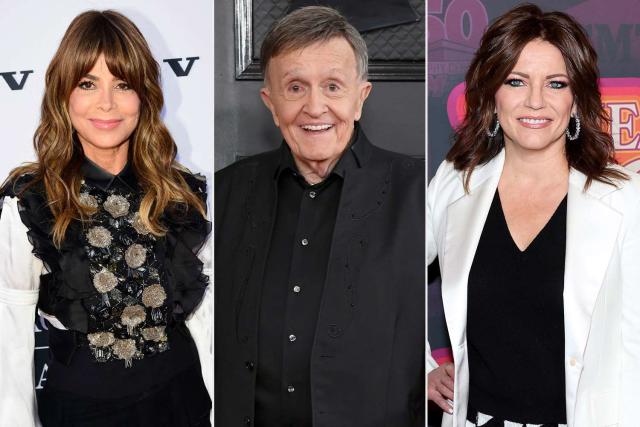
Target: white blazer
x,y
601,288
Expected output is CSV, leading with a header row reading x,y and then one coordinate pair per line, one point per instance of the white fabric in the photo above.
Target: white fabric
x,y
431,362
484,419
200,323
20,274
19,282
19,269
601,287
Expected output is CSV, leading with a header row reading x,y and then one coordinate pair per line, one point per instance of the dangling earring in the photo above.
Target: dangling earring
x,y
491,134
568,132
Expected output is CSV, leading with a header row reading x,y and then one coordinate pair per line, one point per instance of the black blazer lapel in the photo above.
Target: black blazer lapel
x,y
364,191
260,208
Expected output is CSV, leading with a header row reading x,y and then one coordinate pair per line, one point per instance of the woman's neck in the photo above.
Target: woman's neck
x,y
537,167
112,160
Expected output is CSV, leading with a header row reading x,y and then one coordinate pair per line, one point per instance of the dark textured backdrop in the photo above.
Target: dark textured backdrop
x,y
400,42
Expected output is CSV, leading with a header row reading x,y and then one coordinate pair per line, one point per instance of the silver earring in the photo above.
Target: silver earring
x,y
491,134
568,132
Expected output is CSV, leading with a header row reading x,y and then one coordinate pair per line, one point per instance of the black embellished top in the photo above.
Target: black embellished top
x,y
116,295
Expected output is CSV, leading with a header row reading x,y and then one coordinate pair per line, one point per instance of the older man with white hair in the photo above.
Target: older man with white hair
x,y
320,261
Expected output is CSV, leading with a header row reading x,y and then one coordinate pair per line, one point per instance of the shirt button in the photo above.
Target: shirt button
x,y
247,421
312,194
304,242
292,338
291,389
572,362
250,366
296,289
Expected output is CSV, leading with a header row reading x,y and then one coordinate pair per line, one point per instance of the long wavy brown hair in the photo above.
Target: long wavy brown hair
x,y
593,151
152,150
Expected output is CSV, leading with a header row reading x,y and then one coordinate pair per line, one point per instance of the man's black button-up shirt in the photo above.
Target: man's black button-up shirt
x,y
292,290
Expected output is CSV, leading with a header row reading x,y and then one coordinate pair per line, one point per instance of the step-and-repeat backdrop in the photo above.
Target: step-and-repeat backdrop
x,y
181,38
454,31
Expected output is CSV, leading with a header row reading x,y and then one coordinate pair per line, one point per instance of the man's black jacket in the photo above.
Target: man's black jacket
x,y
367,363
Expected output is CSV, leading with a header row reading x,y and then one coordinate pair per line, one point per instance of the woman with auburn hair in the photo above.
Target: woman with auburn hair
x,y
101,235
537,231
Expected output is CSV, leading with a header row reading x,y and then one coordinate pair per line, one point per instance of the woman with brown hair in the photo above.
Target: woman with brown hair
x,y
101,234
536,230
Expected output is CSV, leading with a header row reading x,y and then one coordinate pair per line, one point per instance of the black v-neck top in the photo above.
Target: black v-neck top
x,y
515,322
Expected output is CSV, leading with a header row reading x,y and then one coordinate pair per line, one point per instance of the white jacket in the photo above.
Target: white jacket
x,y
19,283
601,288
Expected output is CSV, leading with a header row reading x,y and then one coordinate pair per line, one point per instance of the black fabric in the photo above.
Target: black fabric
x,y
187,233
98,177
304,212
367,15
67,292
72,367
515,322
367,357
68,283
472,416
180,401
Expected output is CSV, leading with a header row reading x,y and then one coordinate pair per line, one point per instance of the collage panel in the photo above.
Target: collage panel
x,y
319,213
312,233
532,213
106,110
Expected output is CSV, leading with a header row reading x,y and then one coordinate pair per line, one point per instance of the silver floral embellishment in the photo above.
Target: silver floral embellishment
x,y
132,316
138,225
99,237
135,255
88,200
104,281
125,349
116,205
101,339
155,333
154,296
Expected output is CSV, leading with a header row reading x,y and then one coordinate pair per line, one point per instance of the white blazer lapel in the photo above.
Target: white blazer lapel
x,y
592,229
465,220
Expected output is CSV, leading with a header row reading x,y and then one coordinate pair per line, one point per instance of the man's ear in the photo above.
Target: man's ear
x,y
365,90
265,94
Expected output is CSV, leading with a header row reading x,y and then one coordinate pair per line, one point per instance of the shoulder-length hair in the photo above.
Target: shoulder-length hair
x,y
152,150
500,47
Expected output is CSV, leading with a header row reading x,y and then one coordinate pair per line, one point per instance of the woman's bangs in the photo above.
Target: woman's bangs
x,y
122,59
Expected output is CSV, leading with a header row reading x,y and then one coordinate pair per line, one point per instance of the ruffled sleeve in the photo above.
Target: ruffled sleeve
x,y
19,282
191,256
67,279
200,322
187,233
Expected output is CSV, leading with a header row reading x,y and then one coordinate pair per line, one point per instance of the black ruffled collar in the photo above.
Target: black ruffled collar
x,y
95,176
